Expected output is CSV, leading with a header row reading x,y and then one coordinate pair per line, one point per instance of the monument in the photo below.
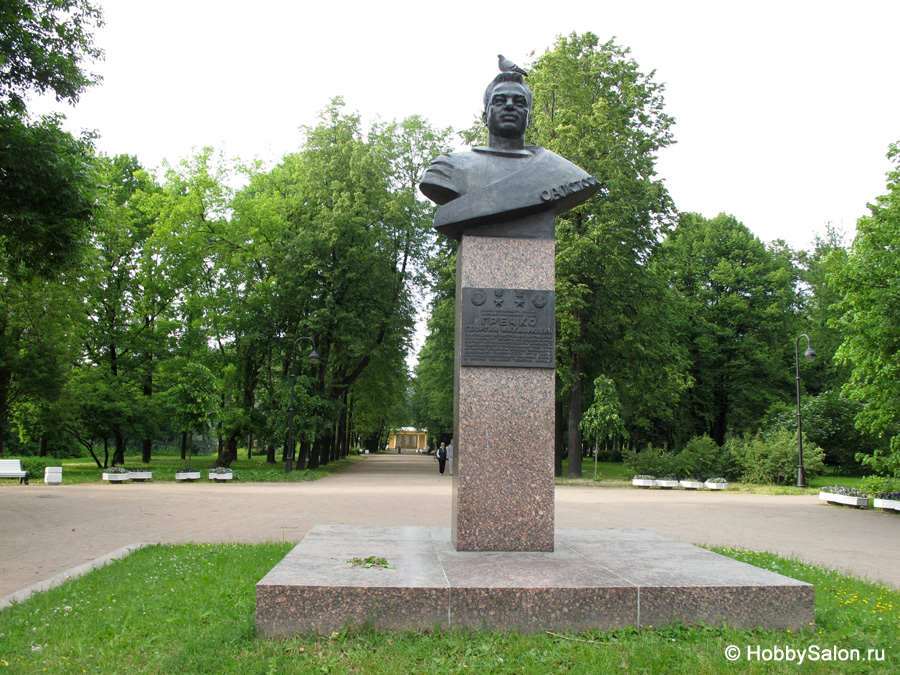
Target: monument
x,y
500,202
502,565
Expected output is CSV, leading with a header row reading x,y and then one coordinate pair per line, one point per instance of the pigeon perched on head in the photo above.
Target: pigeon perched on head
x,y
507,66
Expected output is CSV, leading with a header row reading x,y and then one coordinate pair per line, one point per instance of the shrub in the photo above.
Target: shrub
x,y
772,458
829,421
875,485
700,457
650,461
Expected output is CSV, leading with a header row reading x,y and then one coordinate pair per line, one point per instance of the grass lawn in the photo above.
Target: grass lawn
x,y
164,467
190,609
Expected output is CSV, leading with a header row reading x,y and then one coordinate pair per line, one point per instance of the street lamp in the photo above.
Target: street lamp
x,y
809,355
313,359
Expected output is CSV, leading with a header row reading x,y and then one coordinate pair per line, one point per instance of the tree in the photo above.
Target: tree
x,y
46,181
192,399
44,45
603,421
733,295
432,397
594,106
820,312
46,186
869,284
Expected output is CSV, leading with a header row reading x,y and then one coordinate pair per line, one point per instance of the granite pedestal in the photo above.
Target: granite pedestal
x,y
504,393
593,579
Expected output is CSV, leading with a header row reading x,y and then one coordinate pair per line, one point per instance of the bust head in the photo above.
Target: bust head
x,y
507,110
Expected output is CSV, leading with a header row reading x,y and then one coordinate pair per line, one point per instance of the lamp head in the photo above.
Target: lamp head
x,y
809,354
313,357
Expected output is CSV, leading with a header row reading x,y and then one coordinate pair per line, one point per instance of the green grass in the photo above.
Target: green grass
x,y
190,609
82,470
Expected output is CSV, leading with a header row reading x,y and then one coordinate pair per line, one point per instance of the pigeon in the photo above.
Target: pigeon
x,y
507,66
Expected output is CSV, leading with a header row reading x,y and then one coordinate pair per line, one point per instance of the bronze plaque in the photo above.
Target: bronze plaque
x,y
508,327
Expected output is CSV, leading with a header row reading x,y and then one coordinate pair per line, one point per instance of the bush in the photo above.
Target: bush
x,y
876,485
829,421
772,458
649,461
36,465
699,459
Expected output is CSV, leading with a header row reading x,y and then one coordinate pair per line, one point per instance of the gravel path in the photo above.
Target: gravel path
x,y
47,530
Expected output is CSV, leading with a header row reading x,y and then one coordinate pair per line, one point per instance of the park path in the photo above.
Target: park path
x,y
46,530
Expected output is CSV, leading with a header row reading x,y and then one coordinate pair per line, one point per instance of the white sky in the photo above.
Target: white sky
x,y
784,109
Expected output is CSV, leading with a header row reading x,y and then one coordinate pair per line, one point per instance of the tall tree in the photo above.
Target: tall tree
x,y
46,182
594,106
869,283
733,295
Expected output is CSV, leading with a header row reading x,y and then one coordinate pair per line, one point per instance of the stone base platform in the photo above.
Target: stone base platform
x,y
594,579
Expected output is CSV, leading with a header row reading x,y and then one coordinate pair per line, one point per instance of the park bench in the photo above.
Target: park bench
x,y
12,468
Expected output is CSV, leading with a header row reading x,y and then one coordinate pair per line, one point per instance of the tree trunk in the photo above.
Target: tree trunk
x,y
184,444
119,452
250,445
146,450
302,455
42,447
574,419
270,454
558,423
229,453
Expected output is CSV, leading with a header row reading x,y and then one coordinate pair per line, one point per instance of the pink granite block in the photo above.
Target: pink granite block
x,y
503,497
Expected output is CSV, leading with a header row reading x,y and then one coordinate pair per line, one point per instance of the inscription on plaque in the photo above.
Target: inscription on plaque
x,y
508,327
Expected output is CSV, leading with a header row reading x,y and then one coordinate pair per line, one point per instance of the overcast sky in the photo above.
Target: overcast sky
x,y
784,110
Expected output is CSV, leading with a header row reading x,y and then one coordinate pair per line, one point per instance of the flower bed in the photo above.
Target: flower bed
x,y
116,474
187,475
140,476
690,483
643,481
667,482
716,484
888,501
836,494
220,473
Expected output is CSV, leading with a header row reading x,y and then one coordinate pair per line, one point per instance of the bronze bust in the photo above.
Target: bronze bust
x,y
506,180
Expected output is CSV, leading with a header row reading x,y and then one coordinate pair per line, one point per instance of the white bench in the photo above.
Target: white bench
x,y
12,468
53,475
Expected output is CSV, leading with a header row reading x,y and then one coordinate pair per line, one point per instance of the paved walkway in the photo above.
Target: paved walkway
x,y
46,530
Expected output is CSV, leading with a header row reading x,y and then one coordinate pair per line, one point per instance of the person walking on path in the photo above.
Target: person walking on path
x,y
450,456
442,458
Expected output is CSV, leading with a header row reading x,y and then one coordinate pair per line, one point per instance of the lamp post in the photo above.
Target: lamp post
x,y
809,355
313,359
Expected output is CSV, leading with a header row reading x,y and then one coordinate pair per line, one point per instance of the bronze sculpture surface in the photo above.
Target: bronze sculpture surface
x,y
506,180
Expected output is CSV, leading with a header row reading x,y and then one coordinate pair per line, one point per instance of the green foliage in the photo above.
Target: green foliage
x,y
876,485
651,461
869,283
45,212
829,422
371,562
44,45
594,106
772,458
602,421
733,295
699,459
820,312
